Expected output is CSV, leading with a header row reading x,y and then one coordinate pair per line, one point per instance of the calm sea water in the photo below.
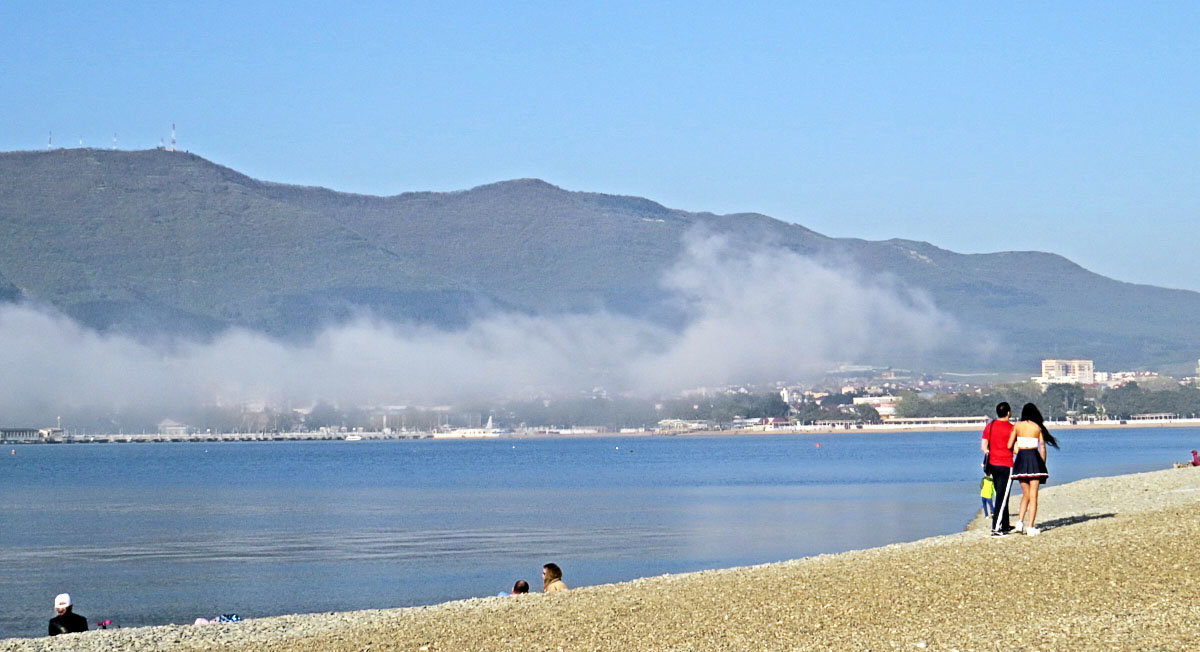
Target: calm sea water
x,y
159,533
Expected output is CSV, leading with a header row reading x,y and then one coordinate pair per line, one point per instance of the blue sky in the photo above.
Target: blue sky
x,y
1065,127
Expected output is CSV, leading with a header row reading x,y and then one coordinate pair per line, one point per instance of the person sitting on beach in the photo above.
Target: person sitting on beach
x,y
520,587
66,622
1028,440
987,490
552,579
1195,458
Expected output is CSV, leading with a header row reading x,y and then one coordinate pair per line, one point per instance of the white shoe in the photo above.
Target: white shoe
x,y
1031,531
1019,526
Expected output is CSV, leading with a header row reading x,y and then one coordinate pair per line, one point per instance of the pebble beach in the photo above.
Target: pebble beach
x,y
1117,566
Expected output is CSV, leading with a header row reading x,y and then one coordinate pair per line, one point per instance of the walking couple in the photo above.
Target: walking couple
x,y
1016,452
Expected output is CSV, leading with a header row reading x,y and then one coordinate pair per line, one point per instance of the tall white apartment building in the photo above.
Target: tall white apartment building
x,y
1067,371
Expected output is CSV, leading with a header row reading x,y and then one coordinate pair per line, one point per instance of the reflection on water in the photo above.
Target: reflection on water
x,y
149,534
337,546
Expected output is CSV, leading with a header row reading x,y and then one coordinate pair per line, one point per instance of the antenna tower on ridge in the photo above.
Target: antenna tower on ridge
x,y
172,147
114,140
50,143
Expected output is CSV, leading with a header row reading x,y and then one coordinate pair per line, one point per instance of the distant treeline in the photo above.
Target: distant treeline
x,y
1056,402
721,411
1059,401
636,412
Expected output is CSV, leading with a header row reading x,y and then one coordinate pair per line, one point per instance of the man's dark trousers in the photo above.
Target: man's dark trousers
x,y
1000,479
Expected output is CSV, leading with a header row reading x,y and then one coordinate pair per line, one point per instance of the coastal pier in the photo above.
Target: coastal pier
x,y
61,437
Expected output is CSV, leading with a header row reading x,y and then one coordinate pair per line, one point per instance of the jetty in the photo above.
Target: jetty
x,y
55,436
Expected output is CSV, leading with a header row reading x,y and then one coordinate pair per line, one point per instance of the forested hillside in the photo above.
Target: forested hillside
x,y
154,241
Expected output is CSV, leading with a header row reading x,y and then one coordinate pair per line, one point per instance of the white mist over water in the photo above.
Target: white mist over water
x,y
756,315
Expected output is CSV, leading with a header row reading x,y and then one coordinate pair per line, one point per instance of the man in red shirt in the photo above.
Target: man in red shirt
x,y
1000,461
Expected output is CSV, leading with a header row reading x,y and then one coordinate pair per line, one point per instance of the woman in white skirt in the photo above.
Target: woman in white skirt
x,y
1028,441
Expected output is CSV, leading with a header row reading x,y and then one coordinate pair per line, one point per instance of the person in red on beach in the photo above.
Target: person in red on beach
x,y
999,465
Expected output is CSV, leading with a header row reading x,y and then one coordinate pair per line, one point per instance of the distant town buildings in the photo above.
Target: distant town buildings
x,y
172,428
884,405
1082,372
680,425
1118,378
27,435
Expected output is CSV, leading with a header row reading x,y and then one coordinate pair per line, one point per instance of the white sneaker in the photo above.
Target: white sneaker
x,y
1019,526
1031,531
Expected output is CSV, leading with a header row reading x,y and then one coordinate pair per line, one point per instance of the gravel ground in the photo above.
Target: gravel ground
x,y
1116,567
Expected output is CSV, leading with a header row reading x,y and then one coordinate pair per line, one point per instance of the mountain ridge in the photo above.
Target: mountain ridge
x,y
169,240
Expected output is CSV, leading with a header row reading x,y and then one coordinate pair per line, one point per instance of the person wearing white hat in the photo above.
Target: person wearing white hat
x,y
66,621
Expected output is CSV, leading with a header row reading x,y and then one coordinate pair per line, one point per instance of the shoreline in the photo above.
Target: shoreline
x,y
973,427
1117,565
882,428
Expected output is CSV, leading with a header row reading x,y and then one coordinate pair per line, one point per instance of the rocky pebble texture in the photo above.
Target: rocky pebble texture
x,y
1116,567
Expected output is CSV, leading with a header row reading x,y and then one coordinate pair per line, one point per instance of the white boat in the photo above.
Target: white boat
x,y
353,438
470,433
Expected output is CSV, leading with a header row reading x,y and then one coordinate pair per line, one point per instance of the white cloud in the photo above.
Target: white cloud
x,y
773,314
753,315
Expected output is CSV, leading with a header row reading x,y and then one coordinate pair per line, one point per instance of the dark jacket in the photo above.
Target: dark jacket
x,y
67,623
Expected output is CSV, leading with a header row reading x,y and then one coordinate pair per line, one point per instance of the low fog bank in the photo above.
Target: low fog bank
x,y
753,316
